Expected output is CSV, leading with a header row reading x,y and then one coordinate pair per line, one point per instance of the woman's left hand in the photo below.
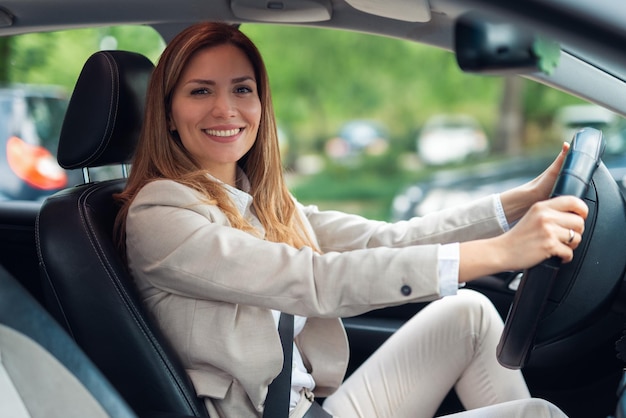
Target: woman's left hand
x,y
544,183
518,200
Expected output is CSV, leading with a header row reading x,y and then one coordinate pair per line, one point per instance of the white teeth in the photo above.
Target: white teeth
x,y
228,132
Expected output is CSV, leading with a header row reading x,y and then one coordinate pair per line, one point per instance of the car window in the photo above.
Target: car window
x,y
377,126
36,80
390,129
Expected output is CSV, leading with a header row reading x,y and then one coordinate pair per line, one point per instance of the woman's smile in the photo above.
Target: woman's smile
x,y
226,134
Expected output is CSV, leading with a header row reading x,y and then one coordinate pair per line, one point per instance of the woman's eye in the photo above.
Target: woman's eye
x,y
199,91
243,90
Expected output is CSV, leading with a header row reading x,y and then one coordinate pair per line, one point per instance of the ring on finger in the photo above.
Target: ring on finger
x,y
572,234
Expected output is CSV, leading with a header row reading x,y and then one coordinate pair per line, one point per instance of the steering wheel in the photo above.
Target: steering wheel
x,y
532,296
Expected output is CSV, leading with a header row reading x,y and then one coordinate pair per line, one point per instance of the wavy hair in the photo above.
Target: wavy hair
x,y
161,155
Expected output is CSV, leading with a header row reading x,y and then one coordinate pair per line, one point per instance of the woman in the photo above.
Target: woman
x,y
218,248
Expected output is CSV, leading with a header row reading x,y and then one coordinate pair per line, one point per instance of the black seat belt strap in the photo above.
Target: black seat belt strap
x,y
279,391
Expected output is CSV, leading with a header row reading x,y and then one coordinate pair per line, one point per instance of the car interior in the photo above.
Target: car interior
x,y
67,289
32,344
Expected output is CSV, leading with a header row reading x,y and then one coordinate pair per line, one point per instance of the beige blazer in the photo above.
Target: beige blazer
x,y
211,287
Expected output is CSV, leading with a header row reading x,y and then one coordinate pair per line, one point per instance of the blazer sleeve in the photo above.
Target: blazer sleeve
x,y
337,231
179,245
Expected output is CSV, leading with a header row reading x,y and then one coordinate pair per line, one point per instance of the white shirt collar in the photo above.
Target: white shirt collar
x,y
241,196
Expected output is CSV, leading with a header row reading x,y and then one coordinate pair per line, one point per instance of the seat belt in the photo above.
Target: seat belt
x,y
279,391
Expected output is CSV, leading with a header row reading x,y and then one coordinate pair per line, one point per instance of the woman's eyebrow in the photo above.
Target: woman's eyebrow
x,y
200,81
242,79
212,83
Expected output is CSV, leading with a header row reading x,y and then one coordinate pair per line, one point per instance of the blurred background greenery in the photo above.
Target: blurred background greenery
x,y
337,77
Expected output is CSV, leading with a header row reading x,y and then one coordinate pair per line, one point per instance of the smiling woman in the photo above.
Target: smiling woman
x,y
331,62
227,240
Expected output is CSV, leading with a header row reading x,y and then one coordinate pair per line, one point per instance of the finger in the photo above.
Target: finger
x,y
564,250
566,254
573,239
561,250
569,204
570,221
558,161
564,150
551,214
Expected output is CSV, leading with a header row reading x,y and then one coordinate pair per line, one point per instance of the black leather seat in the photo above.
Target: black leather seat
x,y
50,375
87,285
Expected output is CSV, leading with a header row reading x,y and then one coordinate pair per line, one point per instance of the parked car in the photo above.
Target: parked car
x,y
30,124
573,364
357,138
451,138
574,117
451,187
455,186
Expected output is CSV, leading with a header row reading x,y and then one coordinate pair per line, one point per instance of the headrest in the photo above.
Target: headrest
x,y
105,112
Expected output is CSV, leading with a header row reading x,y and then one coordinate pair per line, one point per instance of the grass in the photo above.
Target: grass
x,y
366,189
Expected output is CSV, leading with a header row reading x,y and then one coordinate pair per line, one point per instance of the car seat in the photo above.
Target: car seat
x,y
86,284
43,373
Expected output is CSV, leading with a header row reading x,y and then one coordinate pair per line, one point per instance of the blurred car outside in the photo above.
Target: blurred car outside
x,y
575,117
449,138
455,186
452,187
357,138
30,124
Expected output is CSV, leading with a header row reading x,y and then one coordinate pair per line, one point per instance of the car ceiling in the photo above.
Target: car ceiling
x,y
592,34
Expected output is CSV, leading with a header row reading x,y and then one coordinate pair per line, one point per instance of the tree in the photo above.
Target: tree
x,y
509,130
5,59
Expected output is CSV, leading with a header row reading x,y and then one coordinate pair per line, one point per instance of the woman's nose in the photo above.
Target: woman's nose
x,y
223,106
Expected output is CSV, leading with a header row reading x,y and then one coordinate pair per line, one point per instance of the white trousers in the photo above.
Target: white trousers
x,y
450,343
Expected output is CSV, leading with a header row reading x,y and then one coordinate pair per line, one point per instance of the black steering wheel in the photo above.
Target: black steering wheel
x,y
545,288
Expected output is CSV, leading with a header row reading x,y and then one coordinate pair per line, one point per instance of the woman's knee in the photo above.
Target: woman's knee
x,y
536,408
471,304
474,311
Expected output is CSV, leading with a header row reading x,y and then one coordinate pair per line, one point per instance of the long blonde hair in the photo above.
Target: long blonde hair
x,y
160,154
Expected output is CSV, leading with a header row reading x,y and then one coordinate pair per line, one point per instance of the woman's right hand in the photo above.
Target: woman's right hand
x,y
543,232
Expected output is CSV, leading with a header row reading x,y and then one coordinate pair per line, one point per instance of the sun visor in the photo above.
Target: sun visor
x,y
282,11
406,10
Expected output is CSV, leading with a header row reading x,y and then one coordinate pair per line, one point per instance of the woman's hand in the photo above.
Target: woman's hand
x,y
543,232
516,202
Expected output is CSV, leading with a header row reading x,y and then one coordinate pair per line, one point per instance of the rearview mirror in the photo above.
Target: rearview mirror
x,y
489,47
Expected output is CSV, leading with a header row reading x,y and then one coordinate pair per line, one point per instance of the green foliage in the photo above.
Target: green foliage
x,y
345,75
366,188
357,188
342,75
57,57
5,56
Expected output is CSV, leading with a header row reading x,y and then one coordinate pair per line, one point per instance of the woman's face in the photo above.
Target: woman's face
x,y
216,109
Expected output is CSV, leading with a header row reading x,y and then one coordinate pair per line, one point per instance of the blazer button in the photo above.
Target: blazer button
x,y
406,290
